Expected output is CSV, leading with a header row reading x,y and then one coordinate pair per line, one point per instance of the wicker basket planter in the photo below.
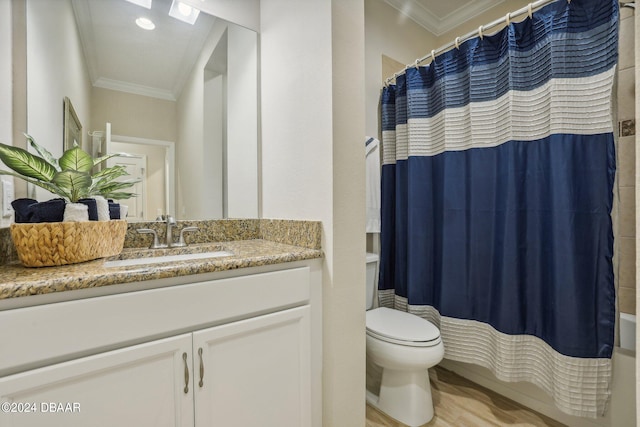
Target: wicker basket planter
x,y
59,243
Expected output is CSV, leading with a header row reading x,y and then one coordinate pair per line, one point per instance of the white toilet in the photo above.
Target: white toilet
x,y
405,346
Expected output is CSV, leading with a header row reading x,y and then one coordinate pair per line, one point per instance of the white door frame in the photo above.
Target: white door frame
x,y
169,165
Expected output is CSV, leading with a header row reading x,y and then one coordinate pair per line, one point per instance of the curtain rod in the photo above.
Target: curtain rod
x,y
479,32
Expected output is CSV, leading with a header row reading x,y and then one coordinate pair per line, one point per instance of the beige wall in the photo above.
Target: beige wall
x,y
133,115
345,347
490,15
626,208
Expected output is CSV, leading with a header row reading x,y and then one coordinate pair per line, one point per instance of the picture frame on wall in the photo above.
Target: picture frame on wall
x,y
72,126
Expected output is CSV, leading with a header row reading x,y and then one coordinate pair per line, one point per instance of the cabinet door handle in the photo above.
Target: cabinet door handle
x,y
201,368
186,373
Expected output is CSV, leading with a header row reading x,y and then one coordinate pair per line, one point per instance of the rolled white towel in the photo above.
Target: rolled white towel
x,y
103,208
124,210
76,212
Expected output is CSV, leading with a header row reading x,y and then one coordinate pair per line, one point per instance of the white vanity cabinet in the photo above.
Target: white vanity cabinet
x,y
140,386
255,372
229,351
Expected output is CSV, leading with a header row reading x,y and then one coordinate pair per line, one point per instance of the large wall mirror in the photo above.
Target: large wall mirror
x,y
181,97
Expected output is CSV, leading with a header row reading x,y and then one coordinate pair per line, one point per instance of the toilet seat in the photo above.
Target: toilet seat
x,y
399,327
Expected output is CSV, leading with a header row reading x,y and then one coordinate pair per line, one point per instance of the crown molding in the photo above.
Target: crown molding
x,y
134,89
438,26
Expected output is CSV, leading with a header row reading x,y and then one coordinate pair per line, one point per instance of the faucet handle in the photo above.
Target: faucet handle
x,y
170,220
181,241
156,244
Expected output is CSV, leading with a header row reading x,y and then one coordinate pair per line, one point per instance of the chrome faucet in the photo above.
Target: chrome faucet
x,y
171,222
169,243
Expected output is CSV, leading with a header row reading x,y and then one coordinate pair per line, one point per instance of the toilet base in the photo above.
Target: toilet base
x,y
404,396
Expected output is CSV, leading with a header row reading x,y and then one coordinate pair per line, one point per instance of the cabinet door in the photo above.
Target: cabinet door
x,y
142,385
254,372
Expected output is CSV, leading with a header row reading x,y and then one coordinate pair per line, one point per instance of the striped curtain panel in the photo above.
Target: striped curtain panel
x,y
497,180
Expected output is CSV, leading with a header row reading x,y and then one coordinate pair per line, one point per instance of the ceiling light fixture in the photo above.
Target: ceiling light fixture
x,y
145,24
183,12
143,3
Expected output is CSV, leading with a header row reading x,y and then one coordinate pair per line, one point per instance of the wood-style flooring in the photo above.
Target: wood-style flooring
x,y
459,402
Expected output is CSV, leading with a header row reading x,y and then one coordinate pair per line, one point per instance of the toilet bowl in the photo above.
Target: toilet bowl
x,y
405,346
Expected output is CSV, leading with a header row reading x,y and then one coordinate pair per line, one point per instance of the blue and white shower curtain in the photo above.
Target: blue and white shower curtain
x,y
497,179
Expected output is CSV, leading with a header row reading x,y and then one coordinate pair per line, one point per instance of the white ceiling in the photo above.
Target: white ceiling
x,y
439,16
122,56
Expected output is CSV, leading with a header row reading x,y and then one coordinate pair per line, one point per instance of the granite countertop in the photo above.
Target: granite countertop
x,y
268,247
19,281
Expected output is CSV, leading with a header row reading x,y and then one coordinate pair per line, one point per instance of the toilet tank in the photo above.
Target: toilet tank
x,y
372,278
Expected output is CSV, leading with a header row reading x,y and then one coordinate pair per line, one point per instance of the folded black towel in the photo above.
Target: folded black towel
x,y
93,208
21,209
49,211
29,210
114,210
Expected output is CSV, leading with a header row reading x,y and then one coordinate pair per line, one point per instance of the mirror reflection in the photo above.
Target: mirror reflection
x,y
181,97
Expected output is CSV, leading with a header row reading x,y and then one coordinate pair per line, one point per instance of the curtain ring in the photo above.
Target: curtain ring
x,y
530,11
417,63
433,56
480,32
457,43
508,19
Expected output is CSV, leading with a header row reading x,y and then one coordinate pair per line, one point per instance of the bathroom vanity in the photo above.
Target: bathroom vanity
x,y
234,340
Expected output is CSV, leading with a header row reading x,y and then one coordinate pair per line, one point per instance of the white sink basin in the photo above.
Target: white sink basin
x,y
166,258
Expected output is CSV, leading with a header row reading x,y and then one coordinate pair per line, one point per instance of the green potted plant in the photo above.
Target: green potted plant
x,y
71,177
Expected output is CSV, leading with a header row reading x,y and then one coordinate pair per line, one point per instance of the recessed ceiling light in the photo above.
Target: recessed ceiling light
x,y
184,12
143,3
145,24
